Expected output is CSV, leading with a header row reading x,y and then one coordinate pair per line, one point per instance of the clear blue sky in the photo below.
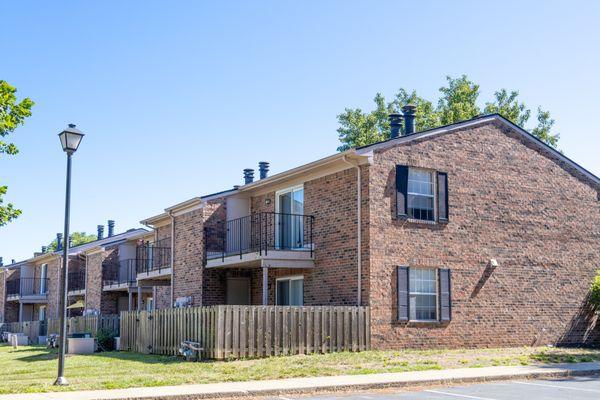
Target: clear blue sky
x,y
176,98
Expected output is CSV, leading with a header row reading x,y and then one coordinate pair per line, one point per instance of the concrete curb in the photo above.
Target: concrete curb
x,y
322,384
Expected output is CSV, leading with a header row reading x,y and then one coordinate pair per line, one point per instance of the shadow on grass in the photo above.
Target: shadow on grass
x,y
144,358
553,358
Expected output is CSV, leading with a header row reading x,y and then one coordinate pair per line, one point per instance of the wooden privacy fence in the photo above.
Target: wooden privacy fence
x,y
32,329
248,331
88,324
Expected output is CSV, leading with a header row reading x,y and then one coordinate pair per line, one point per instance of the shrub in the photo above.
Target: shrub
x,y
106,339
595,292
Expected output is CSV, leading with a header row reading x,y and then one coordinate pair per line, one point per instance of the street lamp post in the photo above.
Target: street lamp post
x,y
69,139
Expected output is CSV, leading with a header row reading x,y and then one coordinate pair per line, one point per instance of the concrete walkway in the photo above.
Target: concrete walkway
x,y
329,383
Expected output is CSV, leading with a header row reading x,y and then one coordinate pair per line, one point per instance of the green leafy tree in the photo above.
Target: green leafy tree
x,y
426,115
543,129
12,114
458,102
507,105
77,238
595,292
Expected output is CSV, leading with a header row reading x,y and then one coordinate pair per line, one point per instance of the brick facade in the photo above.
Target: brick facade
x,y
190,278
529,211
54,268
507,202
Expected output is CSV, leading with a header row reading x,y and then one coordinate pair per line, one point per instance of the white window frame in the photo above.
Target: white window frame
x,y
289,278
277,210
436,292
149,303
43,277
40,312
434,196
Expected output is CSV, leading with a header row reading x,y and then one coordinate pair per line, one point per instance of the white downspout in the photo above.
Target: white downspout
x,y
85,280
359,226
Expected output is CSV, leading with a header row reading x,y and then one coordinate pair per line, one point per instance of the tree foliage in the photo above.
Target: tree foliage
x,y
12,114
595,292
77,238
458,101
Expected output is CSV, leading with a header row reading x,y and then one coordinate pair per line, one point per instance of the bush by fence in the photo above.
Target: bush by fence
x,y
248,331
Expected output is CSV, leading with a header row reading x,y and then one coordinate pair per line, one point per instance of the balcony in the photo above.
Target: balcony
x,y
76,283
119,276
27,290
265,239
153,263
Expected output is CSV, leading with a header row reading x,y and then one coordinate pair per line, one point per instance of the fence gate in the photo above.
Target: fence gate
x,y
144,336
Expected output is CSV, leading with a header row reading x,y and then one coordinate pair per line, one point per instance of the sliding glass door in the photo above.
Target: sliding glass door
x,y
290,222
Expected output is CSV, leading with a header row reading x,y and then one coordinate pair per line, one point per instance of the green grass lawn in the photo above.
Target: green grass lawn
x,y
33,369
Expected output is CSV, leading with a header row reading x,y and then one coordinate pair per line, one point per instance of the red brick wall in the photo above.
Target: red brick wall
x,y
188,256
97,299
507,202
334,279
5,308
54,268
213,282
163,297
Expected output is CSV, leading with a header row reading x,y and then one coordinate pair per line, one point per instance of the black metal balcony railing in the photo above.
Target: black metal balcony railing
x,y
13,287
76,281
119,273
152,258
258,233
26,287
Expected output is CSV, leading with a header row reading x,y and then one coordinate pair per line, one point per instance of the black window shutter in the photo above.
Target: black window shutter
x,y
445,294
402,289
442,196
401,189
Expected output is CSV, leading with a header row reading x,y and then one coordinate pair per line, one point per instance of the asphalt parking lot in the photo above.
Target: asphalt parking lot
x,y
584,388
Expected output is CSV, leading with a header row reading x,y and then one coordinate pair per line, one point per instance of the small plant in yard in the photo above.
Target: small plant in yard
x,y
106,339
595,292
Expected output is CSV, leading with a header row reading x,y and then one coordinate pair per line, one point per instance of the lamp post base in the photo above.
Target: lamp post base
x,y
61,381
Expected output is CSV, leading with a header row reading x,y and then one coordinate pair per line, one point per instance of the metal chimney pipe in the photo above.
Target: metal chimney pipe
x,y
59,244
100,232
395,125
263,169
1,262
409,111
248,175
111,227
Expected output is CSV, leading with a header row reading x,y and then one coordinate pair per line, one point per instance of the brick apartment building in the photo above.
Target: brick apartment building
x,y
473,234
101,279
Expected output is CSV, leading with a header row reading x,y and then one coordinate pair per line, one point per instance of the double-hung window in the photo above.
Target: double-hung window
x,y
420,191
422,294
422,194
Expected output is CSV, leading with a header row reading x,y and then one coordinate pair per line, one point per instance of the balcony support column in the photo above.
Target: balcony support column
x,y
139,298
129,300
20,312
265,286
